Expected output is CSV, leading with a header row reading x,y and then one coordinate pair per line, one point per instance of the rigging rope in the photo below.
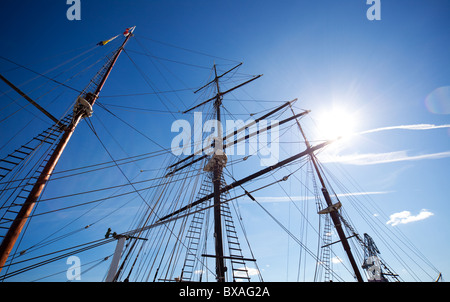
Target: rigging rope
x,y
188,50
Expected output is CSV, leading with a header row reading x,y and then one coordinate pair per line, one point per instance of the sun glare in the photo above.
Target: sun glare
x,y
336,123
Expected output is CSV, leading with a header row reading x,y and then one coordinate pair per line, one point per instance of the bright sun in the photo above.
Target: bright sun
x,y
336,123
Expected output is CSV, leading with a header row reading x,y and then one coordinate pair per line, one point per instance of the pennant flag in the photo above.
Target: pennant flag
x,y
128,31
101,43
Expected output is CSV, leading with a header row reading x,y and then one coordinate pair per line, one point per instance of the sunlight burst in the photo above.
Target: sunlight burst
x,y
336,123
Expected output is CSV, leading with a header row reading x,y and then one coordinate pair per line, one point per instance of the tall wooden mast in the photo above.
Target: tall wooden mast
x,y
82,109
215,165
217,176
332,210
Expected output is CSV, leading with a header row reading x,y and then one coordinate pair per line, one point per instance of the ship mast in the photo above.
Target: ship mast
x,y
332,209
217,176
216,165
83,108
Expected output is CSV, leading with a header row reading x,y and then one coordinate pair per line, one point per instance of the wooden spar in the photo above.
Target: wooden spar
x,y
166,219
217,177
26,209
237,131
333,213
206,85
250,177
105,77
220,94
26,97
238,140
217,167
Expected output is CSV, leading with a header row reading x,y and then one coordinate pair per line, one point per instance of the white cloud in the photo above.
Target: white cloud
x,y
381,158
336,260
406,217
250,271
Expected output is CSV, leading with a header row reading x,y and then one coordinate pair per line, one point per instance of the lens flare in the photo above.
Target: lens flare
x,y
438,101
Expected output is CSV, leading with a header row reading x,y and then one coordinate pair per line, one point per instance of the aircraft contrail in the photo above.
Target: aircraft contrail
x,y
407,127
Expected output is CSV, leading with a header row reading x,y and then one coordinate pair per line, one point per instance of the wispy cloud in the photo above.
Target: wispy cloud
x,y
387,157
407,127
406,217
336,260
250,271
381,158
300,198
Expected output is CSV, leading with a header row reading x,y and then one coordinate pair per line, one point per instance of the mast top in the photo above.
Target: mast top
x,y
129,31
219,93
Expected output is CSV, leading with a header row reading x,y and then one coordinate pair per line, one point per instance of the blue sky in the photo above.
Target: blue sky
x,y
385,74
